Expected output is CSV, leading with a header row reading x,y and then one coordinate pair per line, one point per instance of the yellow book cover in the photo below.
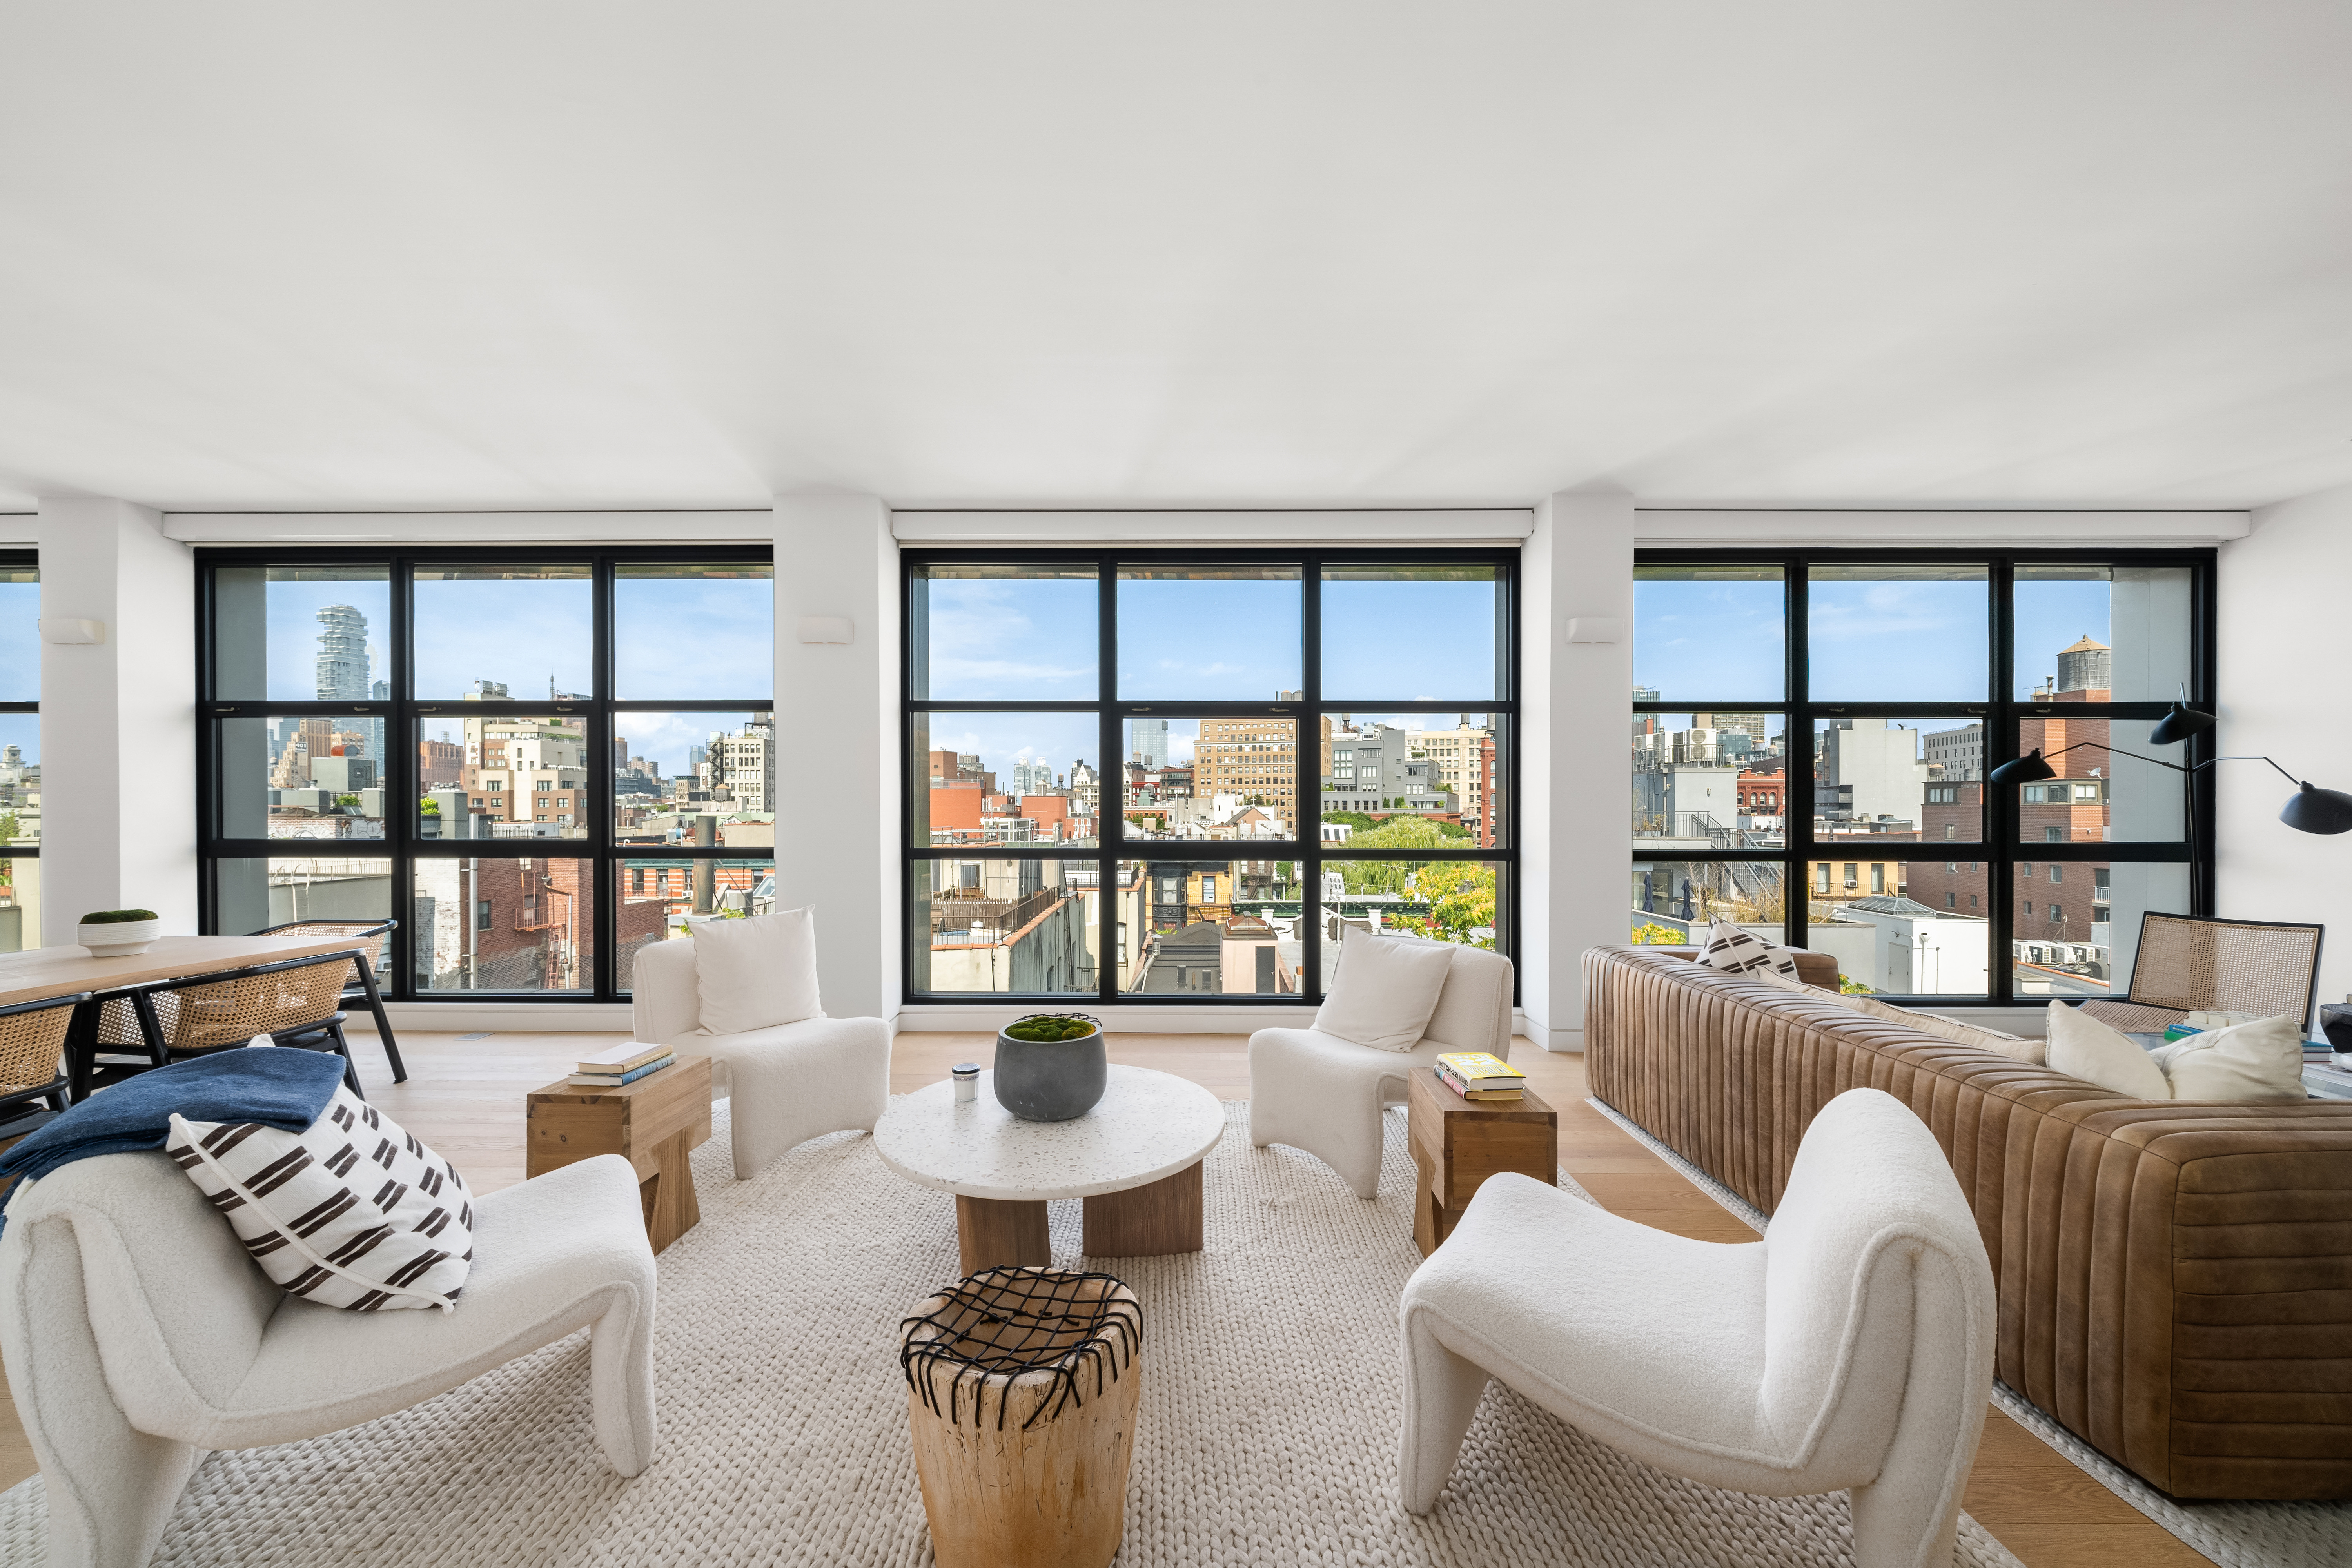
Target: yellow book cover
x,y
1474,1068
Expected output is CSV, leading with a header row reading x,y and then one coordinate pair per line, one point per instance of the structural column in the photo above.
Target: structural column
x,y
840,814
1576,707
118,717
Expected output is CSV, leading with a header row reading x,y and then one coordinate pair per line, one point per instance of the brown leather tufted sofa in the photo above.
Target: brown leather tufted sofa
x,y
2175,1278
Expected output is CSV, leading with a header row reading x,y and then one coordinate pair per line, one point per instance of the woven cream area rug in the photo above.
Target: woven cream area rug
x,y
1268,1431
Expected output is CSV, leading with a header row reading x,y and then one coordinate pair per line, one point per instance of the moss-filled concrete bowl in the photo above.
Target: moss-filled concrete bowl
x,y
1050,1067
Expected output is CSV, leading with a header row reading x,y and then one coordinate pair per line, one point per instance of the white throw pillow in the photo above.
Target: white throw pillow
x,y
2084,1047
1738,952
756,974
1384,991
2261,1060
351,1212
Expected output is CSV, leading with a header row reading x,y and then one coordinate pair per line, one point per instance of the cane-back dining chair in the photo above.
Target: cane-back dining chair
x,y
366,966
296,1002
32,1056
2188,964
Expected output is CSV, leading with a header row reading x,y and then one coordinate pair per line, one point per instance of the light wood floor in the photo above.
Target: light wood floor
x,y
464,1097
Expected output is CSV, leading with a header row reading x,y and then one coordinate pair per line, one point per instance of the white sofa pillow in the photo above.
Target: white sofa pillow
x,y
351,1212
1738,952
1384,991
2261,1060
2084,1047
756,974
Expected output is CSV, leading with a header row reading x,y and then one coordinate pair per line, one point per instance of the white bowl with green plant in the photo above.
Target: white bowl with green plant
x,y
119,934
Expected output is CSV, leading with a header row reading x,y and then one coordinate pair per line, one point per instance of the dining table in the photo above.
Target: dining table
x,y
45,971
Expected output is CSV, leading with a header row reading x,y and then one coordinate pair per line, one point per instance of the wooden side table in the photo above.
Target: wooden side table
x,y
653,1123
1458,1144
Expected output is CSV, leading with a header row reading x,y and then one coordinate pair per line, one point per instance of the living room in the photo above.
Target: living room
x,y
790,549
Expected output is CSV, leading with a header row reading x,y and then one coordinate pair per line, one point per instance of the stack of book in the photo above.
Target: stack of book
x,y
1479,1075
621,1064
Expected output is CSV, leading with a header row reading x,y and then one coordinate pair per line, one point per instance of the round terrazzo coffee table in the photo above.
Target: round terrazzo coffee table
x,y
1135,1159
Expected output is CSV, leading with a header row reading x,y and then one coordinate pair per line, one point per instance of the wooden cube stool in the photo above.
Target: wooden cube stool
x,y
1022,1386
1458,1144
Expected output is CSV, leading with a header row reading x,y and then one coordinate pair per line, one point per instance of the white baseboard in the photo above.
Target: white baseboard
x,y
508,1018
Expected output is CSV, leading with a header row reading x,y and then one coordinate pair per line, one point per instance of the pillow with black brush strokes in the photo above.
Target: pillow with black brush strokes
x,y
1738,952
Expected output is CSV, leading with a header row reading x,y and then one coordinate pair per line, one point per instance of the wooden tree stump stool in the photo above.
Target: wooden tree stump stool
x,y
1021,1393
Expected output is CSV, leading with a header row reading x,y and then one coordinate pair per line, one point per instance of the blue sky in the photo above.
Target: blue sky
x,y
521,633
1408,641
1201,640
1882,641
291,632
1026,638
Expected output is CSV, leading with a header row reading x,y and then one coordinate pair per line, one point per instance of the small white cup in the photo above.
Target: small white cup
x,y
967,1080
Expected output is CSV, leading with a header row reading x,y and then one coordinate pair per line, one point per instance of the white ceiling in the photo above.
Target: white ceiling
x,y
1356,252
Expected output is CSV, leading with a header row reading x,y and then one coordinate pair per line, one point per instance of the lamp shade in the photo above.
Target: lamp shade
x,y
2310,810
2028,769
2180,722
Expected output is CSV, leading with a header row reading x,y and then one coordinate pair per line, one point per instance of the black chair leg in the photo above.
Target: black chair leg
x,y
81,1050
383,1022
151,1028
351,1072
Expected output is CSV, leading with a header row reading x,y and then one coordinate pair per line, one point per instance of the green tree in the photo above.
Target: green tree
x,y
1653,934
1461,898
428,807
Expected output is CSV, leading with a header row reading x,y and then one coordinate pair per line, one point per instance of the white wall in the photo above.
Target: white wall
x,y
1576,712
2286,691
839,813
118,718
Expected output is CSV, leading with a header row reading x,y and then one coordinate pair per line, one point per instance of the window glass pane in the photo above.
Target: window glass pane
x,y
504,925
697,630
20,640
2076,935
976,633
1207,928
1005,778
695,778
661,900
1898,778
1449,615
1709,781
20,904
1897,634
283,777
1444,766
1904,928
516,776
2100,794
1205,634
254,895
1674,901
2102,633
491,632
20,778
302,634
1446,900
1711,633
1222,779
993,924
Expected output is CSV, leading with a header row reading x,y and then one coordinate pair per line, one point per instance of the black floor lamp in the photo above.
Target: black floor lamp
x,y
2308,810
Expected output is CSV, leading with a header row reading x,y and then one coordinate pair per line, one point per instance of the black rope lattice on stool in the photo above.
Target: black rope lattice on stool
x,y
1001,1323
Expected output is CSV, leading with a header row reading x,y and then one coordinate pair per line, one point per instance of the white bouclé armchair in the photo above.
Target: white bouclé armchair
x,y
1323,1094
788,1084
1849,1350
138,1334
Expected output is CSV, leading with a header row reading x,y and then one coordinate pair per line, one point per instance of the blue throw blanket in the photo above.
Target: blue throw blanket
x,y
276,1086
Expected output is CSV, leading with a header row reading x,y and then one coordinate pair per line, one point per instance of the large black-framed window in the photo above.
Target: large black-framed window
x,y
1162,776
537,759
1812,730
20,750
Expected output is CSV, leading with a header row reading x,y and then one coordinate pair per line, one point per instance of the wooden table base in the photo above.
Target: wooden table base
x,y
1148,1221
998,1233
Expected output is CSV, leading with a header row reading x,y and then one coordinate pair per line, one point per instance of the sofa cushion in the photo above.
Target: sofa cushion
x,y
1384,991
756,974
352,1211
2035,1052
1738,952
2081,1046
2260,1060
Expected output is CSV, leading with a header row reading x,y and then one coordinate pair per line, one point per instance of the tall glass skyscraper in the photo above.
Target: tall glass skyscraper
x,y
343,672
1151,742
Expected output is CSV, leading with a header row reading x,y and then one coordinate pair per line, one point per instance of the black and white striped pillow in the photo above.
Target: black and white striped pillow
x,y
351,1212
1739,952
